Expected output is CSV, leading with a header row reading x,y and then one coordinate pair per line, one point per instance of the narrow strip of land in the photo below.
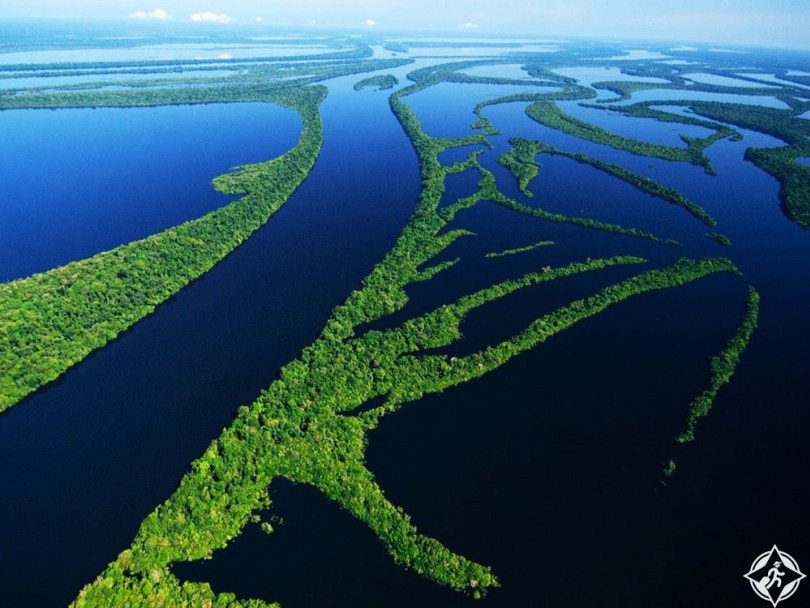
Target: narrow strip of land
x,y
51,321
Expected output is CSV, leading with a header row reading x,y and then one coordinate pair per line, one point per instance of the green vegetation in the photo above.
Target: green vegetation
x,y
293,431
395,47
451,73
646,110
781,124
720,238
568,93
723,366
794,178
382,82
302,427
258,84
500,254
521,161
625,90
550,115
51,321
583,222
310,425
488,190
645,184
780,162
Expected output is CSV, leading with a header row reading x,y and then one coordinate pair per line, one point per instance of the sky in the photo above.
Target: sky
x,y
777,23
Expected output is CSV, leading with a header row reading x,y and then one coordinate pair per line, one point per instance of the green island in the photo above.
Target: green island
x,y
257,82
550,115
786,125
645,109
793,177
780,162
625,90
382,82
309,426
723,366
516,250
521,162
53,320
720,238
488,190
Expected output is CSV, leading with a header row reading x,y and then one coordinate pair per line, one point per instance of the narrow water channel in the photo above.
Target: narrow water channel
x,y
90,456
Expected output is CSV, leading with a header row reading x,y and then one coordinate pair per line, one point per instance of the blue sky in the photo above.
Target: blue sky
x,y
784,23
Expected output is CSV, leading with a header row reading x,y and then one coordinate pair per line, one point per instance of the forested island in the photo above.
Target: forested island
x,y
398,336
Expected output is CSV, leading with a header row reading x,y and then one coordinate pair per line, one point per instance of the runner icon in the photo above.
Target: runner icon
x,y
774,576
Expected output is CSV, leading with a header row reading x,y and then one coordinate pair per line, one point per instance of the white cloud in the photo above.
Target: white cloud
x,y
156,15
210,18
469,26
369,23
258,19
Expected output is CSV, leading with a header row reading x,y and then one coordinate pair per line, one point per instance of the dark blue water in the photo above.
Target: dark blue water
x,y
512,119
706,190
77,182
457,155
446,110
86,459
318,555
667,94
547,469
550,465
636,128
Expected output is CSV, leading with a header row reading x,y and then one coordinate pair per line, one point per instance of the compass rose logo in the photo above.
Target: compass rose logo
x,y
774,576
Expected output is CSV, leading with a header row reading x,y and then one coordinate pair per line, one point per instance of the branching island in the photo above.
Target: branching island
x,y
310,426
383,82
311,422
521,162
51,321
548,114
